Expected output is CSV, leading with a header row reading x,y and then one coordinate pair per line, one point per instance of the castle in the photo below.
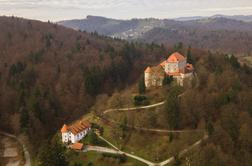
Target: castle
x,y
176,66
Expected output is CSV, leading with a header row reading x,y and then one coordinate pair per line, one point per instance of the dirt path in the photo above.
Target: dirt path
x,y
133,108
149,163
137,108
165,162
13,152
183,152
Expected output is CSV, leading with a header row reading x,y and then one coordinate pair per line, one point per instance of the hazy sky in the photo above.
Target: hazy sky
x,y
55,10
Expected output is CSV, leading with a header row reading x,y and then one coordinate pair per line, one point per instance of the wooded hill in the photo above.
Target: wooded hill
x,y
50,75
217,33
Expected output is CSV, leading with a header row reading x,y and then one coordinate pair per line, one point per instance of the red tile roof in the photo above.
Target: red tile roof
x,y
148,70
174,74
76,146
163,63
64,129
175,57
77,127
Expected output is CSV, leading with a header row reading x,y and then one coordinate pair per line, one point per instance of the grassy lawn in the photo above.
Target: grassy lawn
x,y
97,159
92,139
148,118
151,146
125,98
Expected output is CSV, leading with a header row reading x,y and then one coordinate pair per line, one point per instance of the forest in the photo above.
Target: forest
x,y
50,75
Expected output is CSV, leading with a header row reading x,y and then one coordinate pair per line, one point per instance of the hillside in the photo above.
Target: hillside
x,y
125,29
50,75
247,18
217,106
216,33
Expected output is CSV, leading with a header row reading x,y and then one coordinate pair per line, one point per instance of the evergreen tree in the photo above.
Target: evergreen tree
x,y
52,154
179,46
93,81
234,62
24,119
172,107
167,80
190,58
141,86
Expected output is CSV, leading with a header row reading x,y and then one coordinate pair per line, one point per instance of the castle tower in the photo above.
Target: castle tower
x,y
147,77
176,63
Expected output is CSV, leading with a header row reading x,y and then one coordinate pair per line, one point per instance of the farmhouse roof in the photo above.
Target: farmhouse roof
x,y
64,129
76,128
79,127
76,146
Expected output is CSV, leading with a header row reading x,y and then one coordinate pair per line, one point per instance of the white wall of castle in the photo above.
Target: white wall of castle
x,y
171,67
152,80
175,67
147,80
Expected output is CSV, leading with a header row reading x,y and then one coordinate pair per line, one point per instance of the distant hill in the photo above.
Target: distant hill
x,y
125,29
235,17
219,33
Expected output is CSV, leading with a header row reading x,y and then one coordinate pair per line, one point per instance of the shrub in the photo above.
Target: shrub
x,y
121,157
140,100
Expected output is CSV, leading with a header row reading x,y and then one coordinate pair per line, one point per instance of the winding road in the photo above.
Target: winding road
x,y
142,128
137,108
134,108
25,150
149,163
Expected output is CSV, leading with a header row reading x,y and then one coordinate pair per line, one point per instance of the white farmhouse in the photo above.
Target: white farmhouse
x,y
75,132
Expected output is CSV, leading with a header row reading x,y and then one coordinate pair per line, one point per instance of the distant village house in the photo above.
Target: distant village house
x,y
75,132
176,66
